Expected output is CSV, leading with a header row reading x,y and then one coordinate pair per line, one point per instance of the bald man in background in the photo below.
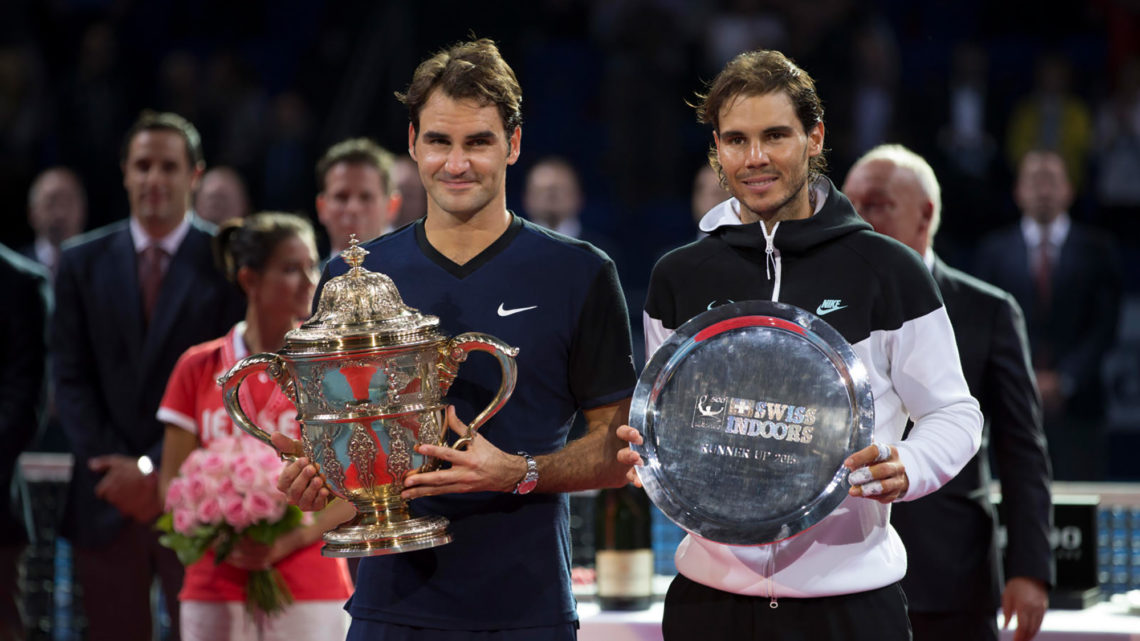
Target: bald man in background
x,y
57,211
953,581
221,196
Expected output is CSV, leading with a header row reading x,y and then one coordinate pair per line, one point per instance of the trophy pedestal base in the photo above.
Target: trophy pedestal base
x,y
360,540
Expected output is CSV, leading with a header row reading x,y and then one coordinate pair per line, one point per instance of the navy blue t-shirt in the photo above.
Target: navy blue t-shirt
x,y
559,301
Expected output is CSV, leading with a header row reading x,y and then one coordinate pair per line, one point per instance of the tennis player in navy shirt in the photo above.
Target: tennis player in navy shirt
x,y
479,267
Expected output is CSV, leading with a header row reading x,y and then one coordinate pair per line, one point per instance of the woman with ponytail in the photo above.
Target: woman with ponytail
x,y
272,257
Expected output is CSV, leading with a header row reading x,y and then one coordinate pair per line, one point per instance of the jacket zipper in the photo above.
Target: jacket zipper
x,y
772,258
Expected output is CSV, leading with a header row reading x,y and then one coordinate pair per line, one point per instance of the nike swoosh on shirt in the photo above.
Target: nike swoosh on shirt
x,y
508,312
820,311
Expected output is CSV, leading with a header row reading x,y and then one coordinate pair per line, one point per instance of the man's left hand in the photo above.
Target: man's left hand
x,y
626,455
1028,599
480,467
125,486
877,477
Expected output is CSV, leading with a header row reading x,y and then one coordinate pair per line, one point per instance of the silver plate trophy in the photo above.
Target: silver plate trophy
x,y
747,413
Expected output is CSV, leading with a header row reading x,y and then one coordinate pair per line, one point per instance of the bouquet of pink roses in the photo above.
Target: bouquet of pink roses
x,y
223,493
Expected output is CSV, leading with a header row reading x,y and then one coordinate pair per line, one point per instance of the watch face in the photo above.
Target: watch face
x,y
526,486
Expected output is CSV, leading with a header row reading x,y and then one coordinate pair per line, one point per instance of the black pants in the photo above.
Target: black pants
x,y
954,626
116,581
695,611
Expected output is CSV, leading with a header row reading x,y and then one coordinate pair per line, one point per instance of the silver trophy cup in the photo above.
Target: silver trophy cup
x,y
368,374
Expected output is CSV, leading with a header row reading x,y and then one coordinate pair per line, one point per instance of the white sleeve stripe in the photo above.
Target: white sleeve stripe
x,y
178,419
655,334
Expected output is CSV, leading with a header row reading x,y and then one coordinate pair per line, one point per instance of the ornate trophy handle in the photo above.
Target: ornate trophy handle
x,y
231,381
457,350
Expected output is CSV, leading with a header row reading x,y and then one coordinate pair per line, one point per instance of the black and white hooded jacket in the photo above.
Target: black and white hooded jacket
x,y
878,294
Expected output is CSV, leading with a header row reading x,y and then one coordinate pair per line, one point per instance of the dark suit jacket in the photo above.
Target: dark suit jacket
x,y
952,555
1080,325
29,252
110,370
23,374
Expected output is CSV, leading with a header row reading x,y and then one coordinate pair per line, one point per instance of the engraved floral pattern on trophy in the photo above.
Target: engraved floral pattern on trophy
x,y
330,464
401,382
280,375
400,452
311,387
307,444
429,383
431,431
362,452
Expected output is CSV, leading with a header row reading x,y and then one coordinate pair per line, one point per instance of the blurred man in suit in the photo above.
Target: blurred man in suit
x,y
953,580
707,193
553,198
57,210
357,194
1067,278
413,197
131,297
221,196
23,378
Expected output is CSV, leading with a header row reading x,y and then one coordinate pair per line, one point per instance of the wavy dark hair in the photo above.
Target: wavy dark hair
x,y
757,73
473,70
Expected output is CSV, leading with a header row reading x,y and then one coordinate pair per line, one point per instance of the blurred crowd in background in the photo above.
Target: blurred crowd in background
x,y
970,85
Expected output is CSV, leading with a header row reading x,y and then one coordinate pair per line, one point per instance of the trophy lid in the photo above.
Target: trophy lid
x,y
360,308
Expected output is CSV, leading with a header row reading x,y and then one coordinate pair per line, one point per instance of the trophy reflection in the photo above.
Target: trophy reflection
x,y
368,374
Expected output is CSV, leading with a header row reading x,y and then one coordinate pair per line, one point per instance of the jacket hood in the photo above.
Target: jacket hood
x,y
834,217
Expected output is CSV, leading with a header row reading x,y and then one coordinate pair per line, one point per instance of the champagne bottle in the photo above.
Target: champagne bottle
x,y
623,560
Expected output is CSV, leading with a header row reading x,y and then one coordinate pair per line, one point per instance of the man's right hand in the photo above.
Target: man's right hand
x,y
626,455
300,481
126,487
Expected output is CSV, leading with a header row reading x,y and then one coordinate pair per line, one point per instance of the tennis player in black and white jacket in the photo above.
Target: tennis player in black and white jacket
x,y
789,235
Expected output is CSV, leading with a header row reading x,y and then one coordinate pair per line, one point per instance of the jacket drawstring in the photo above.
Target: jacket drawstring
x,y
770,570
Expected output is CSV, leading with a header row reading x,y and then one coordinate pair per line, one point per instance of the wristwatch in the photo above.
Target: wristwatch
x,y
526,485
146,466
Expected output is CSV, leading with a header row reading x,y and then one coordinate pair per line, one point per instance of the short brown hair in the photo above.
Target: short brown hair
x,y
472,70
167,121
756,73
358,151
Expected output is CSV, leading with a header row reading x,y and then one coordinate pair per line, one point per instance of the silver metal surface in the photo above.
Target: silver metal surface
x,y
360,308
368,375
747,413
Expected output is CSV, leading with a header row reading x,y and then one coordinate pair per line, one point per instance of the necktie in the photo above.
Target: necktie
x,y
1044,274
1043,282
150,277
